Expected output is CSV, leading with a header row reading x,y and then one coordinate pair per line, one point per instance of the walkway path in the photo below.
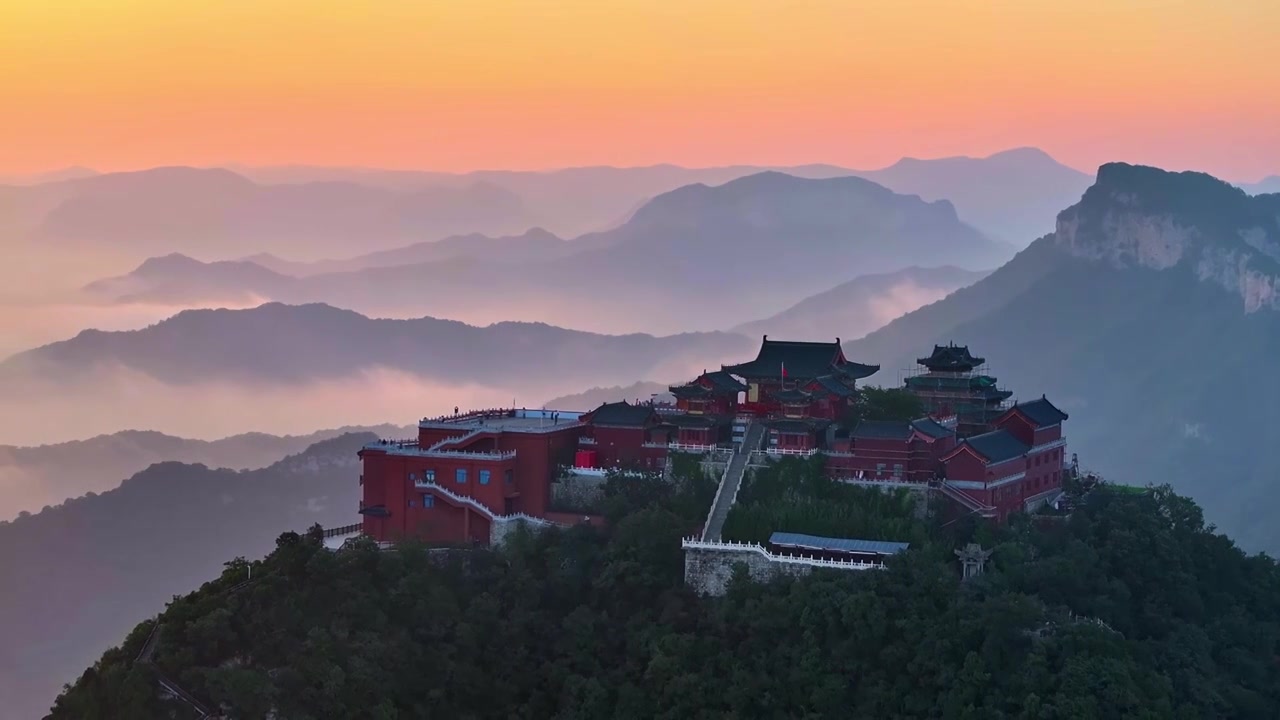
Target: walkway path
x,y
732,480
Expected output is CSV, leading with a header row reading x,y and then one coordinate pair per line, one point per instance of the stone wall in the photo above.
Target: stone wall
x,y
577,492
922,494
501,528
708,566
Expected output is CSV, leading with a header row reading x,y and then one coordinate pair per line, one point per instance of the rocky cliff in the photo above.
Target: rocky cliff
x,y
1145,217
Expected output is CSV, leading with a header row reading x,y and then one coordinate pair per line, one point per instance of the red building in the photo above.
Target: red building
x,y
461,472
799,379
714,393
1015,467
623,435
893,451
953,383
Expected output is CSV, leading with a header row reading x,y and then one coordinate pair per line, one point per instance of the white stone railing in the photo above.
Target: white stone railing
x,y
787,451
586,441
471,454
455,439
479,506
882,481
690,448
655,445
1052,444
588,471
742,547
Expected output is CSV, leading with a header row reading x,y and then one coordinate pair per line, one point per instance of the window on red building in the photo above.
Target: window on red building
x,y
429,475
428,501
484,477
460,475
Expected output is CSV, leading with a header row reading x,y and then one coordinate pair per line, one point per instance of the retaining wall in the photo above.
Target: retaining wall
x,y
708,566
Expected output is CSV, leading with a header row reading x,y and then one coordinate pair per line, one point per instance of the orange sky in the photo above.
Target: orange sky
x,y
466,84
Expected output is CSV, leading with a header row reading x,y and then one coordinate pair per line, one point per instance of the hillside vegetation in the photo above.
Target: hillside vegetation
x,y
1131,608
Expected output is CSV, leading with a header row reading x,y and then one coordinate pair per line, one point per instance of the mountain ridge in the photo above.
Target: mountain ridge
x,y
1126,320
160,533
49,474
779,234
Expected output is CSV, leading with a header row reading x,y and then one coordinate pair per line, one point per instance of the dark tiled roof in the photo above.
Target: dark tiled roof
x,y
833,385
882,430
803,360
694,420
709,384
797,426
722,381
852,545
621,413
951,357
1041,412
792,395
690,391
997,446
931,428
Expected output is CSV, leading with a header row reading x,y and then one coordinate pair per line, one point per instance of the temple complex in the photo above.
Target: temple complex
x,y
467,476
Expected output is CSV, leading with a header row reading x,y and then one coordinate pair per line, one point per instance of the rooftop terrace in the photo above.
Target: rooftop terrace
x,y
507,420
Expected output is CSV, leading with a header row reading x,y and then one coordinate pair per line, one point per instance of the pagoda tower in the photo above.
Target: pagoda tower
x,y
952,382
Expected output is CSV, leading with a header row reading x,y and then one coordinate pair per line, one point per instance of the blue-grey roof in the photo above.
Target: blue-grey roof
x,y
1041,412
997,446
832,384
882,430
853,545
932,428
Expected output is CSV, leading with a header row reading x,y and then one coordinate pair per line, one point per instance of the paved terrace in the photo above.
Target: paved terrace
x,y
507,420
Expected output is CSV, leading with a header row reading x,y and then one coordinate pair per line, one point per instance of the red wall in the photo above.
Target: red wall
x,y
386,481
624,446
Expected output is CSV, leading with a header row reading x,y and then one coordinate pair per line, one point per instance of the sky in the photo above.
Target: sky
x,y
459,85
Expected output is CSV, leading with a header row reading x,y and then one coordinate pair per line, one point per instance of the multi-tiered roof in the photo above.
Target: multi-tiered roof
x,y
953,383
709,385
800,361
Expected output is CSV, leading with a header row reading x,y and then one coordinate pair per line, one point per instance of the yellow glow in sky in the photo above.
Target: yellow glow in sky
x,y
466,84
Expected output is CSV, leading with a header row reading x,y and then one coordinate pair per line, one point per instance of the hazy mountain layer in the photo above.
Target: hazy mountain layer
x,y
281,369
36,476
78,576
1012,195
696,258
855,308
218,213
593,398
1152,316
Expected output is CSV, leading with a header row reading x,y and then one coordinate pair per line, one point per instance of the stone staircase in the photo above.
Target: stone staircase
x,y
727,493
966,500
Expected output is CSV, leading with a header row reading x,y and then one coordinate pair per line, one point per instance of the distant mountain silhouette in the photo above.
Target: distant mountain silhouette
x,y
1269,184
277,343
182,279
1011,195
535,245
1152,314
745,248
68,173
78,576
593,398
855,308
49,474
217,212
